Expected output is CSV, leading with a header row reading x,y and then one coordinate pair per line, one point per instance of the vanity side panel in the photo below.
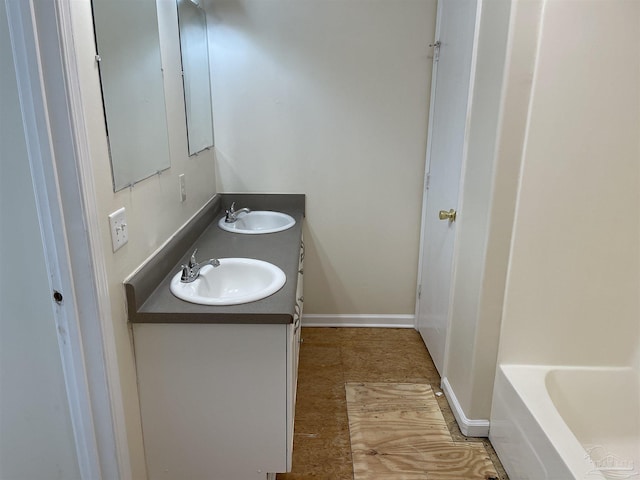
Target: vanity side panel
x,y
213,399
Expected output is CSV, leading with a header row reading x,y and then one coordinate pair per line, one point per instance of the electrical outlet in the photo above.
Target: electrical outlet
x,y
119,229
183,188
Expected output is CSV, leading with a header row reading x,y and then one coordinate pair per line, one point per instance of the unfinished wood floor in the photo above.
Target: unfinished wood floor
x,y
332,357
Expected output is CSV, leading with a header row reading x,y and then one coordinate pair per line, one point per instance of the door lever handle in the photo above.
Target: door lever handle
x,y
450,215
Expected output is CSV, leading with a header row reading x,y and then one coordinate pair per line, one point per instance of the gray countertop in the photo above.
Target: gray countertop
x,y
149,299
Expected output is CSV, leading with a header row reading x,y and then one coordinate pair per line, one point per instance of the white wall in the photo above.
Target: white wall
x,y
36,436
154,211
330,98
573,285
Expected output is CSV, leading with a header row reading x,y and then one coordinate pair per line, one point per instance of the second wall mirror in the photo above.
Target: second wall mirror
x,y
194,47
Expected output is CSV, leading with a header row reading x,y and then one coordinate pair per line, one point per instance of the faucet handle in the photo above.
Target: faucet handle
x,y
192,261
186,271
230,213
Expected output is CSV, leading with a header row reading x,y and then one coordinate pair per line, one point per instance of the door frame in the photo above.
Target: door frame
x,y
58,148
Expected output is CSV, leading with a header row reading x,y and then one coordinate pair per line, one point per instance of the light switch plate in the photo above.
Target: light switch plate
x,y
119,229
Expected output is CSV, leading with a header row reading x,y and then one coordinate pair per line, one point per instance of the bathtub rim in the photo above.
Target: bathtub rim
x,y
529,384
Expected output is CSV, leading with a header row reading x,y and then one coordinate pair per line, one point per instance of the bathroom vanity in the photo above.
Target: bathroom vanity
x,y
217,384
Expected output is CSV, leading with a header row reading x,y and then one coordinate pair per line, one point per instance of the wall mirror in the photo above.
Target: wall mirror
x,y
128,45
194,49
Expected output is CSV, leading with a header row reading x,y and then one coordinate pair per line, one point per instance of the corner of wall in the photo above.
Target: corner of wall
x,y
468,427
481,249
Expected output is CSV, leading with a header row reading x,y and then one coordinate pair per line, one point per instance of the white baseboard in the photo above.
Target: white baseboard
x,y
372,320
468,427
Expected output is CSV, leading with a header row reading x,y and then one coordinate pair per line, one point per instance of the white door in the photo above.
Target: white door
x,y
57,388
453,54
36,432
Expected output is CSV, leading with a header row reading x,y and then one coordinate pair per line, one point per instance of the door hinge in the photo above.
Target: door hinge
x,y
419,291
427,181
436,50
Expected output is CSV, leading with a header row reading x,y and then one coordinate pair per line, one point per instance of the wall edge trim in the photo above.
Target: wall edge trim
x,y
468,427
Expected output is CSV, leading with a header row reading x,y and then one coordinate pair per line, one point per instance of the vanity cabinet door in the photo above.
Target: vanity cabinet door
x,y
291,390
299,302
211,398
298,307
293,352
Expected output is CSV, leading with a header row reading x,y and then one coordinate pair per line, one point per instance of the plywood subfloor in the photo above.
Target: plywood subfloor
x,y
398,432
332,357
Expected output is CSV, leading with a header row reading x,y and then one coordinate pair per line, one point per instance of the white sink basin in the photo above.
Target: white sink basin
x,y
257,222
235,281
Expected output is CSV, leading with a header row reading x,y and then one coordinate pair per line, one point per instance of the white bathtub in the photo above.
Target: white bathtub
x,y
567,423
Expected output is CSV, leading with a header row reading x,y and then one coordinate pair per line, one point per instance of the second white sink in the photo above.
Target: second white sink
x,y
261,221
234,281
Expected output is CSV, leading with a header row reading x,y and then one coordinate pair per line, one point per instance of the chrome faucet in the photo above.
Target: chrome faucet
x,y
191,271
232,213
